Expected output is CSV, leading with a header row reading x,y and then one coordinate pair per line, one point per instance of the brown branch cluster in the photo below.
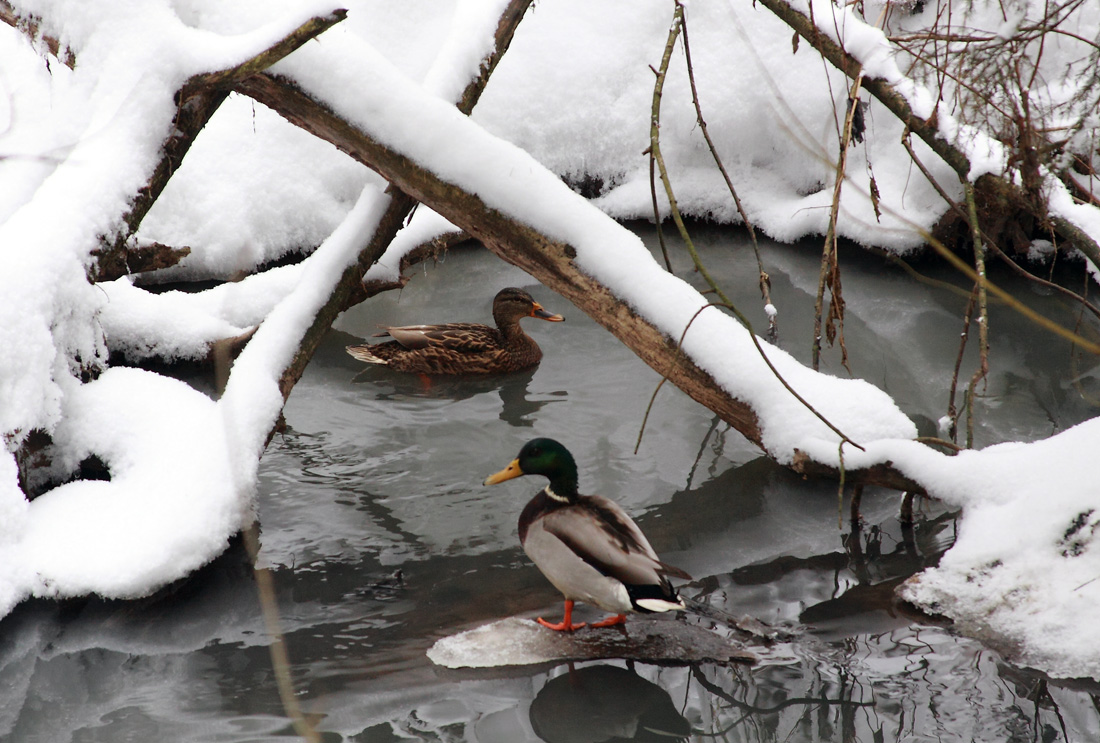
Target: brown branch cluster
x,y
1008,210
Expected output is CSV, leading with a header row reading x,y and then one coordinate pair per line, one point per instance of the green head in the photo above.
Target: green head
x,y
545,457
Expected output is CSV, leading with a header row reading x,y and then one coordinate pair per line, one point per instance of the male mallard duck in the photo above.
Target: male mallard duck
x,y
585,544
460,347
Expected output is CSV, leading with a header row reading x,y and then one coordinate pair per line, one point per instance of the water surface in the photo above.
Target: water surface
x,y
380,540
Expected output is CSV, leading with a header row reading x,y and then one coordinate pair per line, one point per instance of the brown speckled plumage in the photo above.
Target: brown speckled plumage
x,y
463,348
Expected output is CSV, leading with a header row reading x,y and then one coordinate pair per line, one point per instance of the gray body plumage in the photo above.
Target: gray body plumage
x,y
592,551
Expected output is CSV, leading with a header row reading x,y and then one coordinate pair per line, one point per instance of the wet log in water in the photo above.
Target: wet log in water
x,y
522,642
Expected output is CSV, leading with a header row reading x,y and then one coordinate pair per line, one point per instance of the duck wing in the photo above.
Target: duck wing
x,y
460,337
602,535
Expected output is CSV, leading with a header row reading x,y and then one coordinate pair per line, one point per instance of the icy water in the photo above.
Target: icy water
x,y
380,539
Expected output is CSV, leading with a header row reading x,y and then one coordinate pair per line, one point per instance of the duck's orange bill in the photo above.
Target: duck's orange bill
x,y
508,473
538,311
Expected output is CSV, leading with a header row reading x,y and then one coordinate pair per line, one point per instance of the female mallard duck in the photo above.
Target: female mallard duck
x,y
463,348
585,544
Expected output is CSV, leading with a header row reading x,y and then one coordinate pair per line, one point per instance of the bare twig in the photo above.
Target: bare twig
x,y
983,312
676,359
764,279
829,276
654,149
952,411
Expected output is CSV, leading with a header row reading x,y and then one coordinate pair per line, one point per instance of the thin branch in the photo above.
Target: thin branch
x,y
764,279
760,349
654,149
964,336
983,312
829,276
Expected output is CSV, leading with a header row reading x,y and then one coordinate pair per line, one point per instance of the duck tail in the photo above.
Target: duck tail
x,y
658,605
364,353
655,598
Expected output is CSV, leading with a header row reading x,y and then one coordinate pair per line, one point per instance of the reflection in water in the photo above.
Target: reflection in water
x,y
877,574
605,703
759,709
517,408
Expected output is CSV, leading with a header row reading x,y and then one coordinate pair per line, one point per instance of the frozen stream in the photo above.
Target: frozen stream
x,y
381,540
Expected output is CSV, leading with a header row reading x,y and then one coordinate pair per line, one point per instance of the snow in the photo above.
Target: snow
x,y
149,430
80,142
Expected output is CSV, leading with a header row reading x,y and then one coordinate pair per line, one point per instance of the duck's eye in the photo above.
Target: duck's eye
x,y
536,452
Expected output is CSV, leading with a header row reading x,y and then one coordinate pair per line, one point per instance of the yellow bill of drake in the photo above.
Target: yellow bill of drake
x,y
508,473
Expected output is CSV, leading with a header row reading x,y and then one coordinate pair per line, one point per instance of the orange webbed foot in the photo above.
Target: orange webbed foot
x,y
562,626
566,624
610,621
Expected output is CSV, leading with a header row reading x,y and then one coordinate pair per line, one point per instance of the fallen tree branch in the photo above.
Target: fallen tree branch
x,y
548,260
133,258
